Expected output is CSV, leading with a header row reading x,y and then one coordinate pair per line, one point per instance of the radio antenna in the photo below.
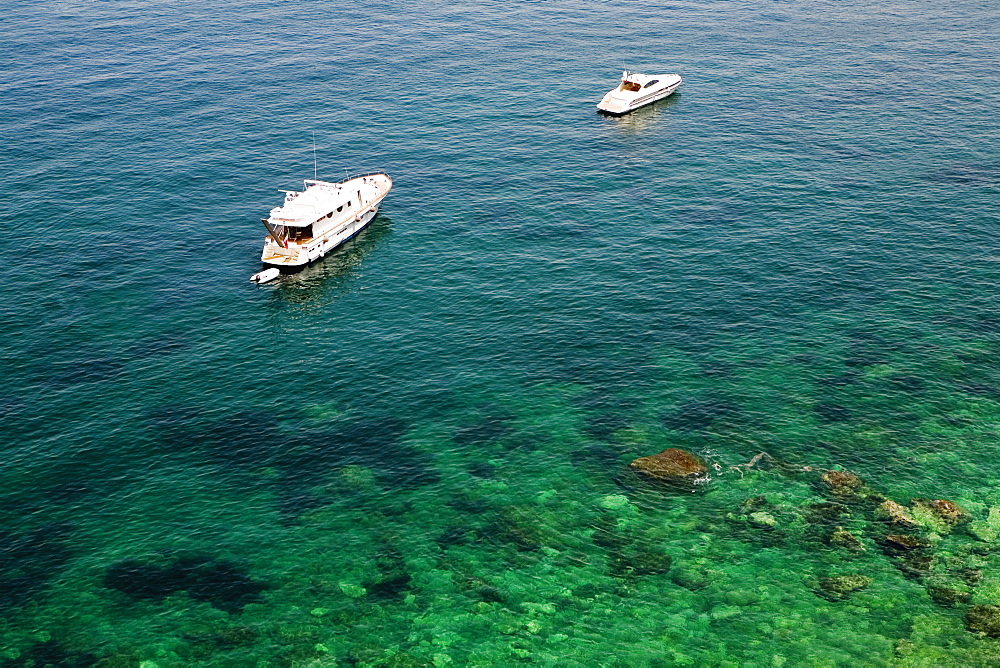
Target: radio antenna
x,y
314,155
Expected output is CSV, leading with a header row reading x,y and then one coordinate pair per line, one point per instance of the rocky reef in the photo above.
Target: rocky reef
x,y
675,468
984,619
839,587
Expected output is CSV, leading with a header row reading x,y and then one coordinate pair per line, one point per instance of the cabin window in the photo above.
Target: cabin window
x,y
630,86
651,83
340,208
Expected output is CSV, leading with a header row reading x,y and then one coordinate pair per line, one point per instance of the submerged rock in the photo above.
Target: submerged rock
x,y
915,566
987,530
700,413
521,526
454,535
894,513
841,586
827,511
675,467
841,537
939,513
649,562
374,654
742,597
841,484
753,503
51,653
607,534
832,412
897,542
948,596
641,562
910,554
690,578
984,619
971,576
762,520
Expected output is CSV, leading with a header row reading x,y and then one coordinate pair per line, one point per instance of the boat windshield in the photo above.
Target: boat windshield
x,y
630,86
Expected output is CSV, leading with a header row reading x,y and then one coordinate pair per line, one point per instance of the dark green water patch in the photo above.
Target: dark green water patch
x,y
522,527
293,502
10,406
981,390
603,426
699,413
80,371
203,645
305,454
222,583
599,457
491,424
969,175
51,654
455,535
840,380
832,412
30,560
159,345
392,579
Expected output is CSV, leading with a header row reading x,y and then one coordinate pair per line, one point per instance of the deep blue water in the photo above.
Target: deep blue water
x,y
408,453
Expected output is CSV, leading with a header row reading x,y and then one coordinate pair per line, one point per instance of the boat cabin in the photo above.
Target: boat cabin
x,y
633,82
307,214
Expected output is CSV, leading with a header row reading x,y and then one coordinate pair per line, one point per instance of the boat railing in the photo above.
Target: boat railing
x,y
349,178
361,176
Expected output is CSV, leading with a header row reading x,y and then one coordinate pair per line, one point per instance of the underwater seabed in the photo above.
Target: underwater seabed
x,y
507,529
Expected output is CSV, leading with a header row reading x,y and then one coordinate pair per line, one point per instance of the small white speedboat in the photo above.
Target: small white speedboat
x,y
311,223
637,90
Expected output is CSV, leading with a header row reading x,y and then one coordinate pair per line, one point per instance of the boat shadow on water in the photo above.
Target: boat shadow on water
x,y
309,283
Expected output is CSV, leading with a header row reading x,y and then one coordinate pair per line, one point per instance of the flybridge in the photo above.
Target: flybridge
x,y
318,199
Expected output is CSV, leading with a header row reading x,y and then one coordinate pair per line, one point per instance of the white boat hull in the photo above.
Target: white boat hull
x,y
617,102
297,254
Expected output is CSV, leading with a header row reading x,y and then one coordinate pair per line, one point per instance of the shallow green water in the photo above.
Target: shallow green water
x,y
416,451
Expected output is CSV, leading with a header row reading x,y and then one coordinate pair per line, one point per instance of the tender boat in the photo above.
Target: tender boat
x,y
637,90
266,275
313,222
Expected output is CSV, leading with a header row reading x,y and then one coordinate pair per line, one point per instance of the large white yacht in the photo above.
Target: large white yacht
x,y
637,90
324,215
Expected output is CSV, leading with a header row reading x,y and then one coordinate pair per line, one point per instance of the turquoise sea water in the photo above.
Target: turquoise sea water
x,y
415,452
